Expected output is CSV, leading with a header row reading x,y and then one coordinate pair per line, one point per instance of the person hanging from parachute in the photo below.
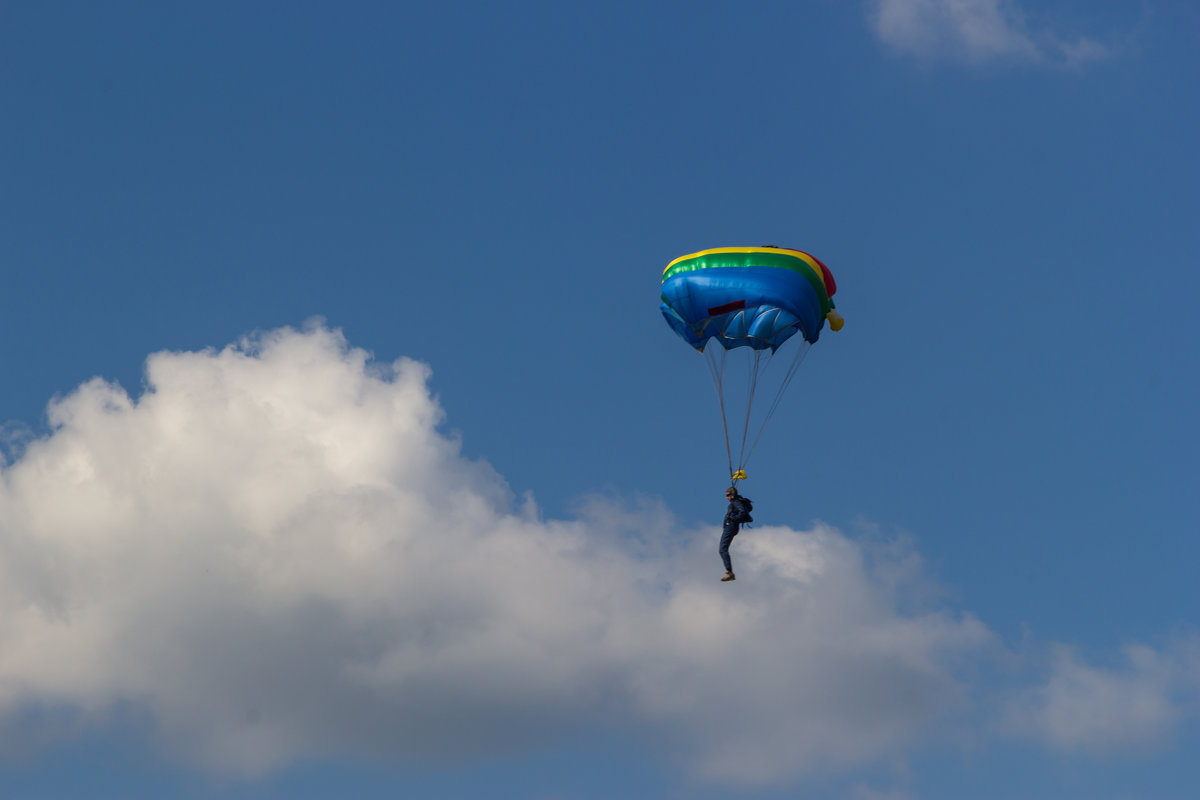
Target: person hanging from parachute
x,y
738,514
747,297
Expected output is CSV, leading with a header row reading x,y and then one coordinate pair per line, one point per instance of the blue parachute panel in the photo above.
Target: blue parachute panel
x,y
756,307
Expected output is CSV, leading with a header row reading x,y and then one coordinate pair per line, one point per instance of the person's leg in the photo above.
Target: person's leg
x,y
726,540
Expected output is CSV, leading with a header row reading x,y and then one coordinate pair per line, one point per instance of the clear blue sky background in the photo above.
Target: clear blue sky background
x,y
494,189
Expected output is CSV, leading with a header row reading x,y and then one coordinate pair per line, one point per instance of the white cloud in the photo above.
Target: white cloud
x,y
1084,707
273,553
975,31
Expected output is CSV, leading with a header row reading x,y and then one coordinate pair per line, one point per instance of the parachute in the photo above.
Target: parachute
x,y
756,298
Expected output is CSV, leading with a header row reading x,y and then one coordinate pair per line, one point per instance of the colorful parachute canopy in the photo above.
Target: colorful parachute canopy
x,y
755,297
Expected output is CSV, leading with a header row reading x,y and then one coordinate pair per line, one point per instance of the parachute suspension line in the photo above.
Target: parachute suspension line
x,y
715,357
751,389
801,352
716,368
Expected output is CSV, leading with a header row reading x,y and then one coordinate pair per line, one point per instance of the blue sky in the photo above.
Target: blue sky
x,y
986,483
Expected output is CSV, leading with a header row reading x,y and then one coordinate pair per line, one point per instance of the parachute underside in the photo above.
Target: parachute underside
x,y
755,307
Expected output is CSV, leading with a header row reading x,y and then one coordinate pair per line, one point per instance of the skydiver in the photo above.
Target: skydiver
x,y
738,513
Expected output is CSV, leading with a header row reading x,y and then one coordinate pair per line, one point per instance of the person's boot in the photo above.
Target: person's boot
x,y
728,576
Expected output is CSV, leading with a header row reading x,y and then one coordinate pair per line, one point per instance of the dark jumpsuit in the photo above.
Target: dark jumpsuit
x,y
734,517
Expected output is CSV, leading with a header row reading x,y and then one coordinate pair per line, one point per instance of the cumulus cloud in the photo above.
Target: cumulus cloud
x,y
976,31
1086,707
275,552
